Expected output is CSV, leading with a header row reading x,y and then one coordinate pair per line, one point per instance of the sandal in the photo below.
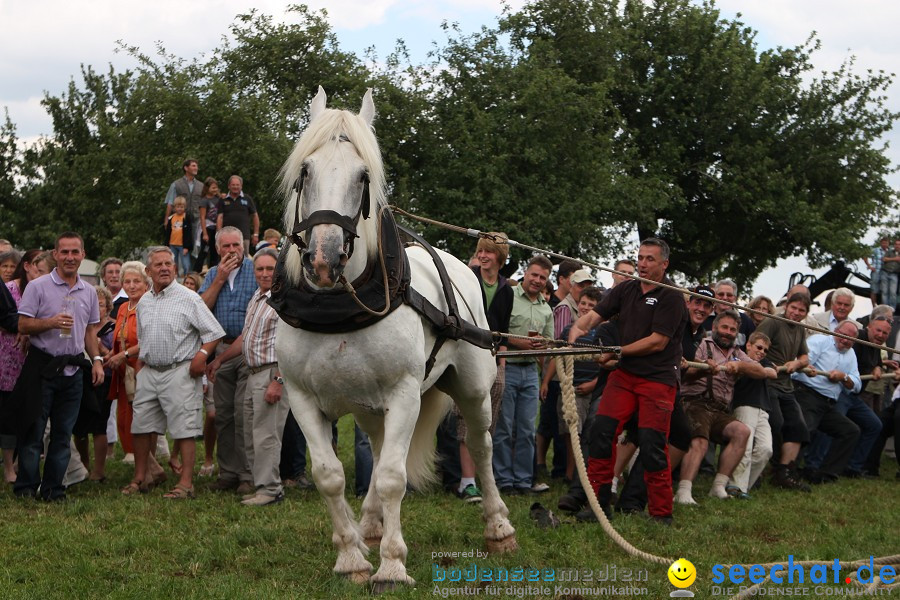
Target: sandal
x,y
207,470
179,492
134,488
176,467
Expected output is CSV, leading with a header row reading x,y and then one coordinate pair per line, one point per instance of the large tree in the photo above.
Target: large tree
x,y
659,118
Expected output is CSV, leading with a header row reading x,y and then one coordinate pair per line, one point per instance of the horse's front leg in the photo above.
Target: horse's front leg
x,y
328,474
372,517
390,481
499,534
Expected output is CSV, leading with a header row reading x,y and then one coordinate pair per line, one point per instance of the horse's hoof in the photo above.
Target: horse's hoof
x,y
358,577
502,546
373,542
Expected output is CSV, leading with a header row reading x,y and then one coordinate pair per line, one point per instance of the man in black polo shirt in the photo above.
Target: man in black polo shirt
x,y
651,325
237,210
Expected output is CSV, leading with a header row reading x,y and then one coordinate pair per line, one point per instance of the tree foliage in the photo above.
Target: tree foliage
x,y
570,124
661,118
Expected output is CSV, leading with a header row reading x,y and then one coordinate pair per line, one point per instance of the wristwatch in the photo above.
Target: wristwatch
x,y
847,378
100,358
279,380
126,353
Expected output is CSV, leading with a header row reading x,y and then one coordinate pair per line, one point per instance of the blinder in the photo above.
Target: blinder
x,y
328,217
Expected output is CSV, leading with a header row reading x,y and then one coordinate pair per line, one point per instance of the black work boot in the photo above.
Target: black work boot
x,y
786,477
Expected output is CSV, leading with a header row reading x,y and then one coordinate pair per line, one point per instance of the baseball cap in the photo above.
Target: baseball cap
x,y
704,290
580,276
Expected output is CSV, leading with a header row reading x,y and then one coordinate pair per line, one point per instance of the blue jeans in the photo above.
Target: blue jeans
x,y
362,458
182,260
851,406
888,286
61,397
514,434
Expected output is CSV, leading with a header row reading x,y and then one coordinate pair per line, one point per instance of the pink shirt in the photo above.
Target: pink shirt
x,y
11,358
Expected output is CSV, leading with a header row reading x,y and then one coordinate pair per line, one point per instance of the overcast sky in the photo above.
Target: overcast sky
x,y
44,42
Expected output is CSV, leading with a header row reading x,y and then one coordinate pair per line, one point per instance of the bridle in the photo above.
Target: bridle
x,y
329,217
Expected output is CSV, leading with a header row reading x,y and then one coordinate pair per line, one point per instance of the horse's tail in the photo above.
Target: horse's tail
x,y
420,460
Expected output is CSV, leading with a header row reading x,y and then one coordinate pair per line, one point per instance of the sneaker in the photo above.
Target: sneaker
x,y
262,500
470,495
539,488
661,519
735,492
786,478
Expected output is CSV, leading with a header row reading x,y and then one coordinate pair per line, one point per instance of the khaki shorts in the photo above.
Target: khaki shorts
x,y
582,402
707,419
170,400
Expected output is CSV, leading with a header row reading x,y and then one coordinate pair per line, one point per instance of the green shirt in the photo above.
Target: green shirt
x,y
529,316
788,342
490,290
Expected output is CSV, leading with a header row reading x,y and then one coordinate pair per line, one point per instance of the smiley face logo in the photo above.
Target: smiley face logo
x,y
682,573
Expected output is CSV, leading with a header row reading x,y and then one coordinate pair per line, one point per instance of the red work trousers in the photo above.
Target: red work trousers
x,y
624,394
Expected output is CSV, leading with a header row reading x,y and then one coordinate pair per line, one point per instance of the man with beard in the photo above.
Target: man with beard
x,y
707,404
817,395
727,290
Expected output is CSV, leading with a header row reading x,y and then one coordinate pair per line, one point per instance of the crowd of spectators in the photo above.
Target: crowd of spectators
x,y
183,344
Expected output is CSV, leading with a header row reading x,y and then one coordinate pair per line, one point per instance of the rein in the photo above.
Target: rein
x,y
328,217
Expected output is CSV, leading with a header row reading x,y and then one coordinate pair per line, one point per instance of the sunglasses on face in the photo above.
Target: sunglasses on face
x,y
760,347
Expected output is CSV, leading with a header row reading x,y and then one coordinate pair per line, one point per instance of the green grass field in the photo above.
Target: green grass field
x,y
100,544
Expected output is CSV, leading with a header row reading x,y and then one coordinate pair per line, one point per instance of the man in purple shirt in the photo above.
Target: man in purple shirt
x,y
61,314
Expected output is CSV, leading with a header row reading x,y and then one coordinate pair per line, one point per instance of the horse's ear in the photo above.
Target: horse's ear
x,y
367,112
317,106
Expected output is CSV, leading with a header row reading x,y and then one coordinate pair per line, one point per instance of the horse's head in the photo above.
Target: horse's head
x,y
333,178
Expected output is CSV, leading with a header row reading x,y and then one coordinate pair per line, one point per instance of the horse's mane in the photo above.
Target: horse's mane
x,y
325,129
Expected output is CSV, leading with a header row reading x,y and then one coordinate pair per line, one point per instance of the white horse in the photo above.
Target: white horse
x,y
377,373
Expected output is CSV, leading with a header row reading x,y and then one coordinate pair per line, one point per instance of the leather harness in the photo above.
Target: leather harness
x,y
336,311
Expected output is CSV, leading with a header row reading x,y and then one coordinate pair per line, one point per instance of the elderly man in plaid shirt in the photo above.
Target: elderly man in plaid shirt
x,y
227,290
177,333
264,409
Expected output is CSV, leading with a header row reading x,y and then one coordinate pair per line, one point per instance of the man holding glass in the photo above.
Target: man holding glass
x,y
61,314
514,435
